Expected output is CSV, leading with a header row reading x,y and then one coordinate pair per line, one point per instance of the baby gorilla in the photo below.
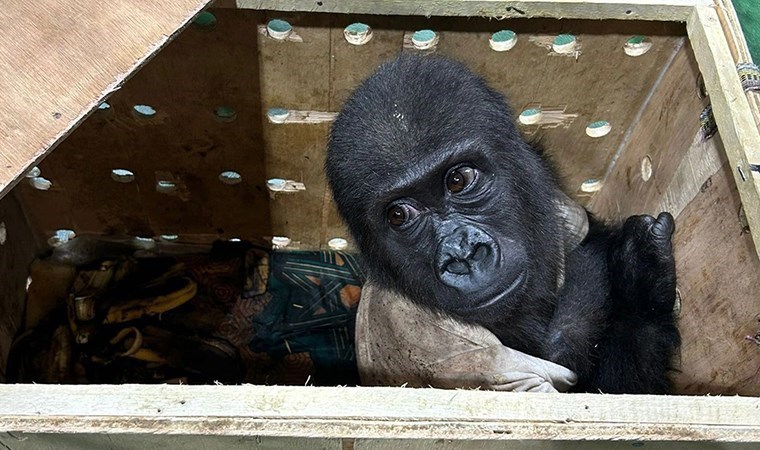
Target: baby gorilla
x,y
452,208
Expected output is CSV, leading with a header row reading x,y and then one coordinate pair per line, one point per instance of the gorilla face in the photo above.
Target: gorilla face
x,y
446,201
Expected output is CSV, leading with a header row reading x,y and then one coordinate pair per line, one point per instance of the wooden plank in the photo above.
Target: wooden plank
x,y
60,59
733,114
677,10
401,413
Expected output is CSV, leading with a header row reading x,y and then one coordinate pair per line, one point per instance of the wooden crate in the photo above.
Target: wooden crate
x,y
59,61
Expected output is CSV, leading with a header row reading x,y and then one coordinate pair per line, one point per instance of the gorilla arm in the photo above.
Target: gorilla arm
x,y
399,342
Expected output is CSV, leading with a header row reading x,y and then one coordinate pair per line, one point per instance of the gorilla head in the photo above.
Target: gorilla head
x,y
446,201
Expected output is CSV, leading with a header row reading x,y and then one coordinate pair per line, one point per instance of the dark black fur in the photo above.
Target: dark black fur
x,y
394,143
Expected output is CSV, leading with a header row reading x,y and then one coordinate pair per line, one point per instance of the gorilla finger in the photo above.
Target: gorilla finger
x,y
664,226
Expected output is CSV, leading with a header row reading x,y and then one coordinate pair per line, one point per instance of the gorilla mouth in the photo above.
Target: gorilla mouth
x,y
500,296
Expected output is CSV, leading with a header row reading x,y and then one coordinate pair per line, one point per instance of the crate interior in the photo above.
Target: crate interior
x,y
212,88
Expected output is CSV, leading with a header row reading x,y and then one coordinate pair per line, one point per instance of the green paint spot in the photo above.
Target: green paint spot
x,y
598,124
423,36
205,21
279,26
144,110
503,36
564,39
636,40
357,28
225,114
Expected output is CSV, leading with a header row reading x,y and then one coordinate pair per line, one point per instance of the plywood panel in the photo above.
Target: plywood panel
x,y
60,58
668,127
717,268
184,143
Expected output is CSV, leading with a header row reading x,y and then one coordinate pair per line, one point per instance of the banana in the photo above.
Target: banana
x,y
181,290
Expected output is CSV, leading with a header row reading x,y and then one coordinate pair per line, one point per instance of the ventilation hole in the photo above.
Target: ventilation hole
x,y
43,184
278,115
122,175
28,283
3,233
169,237
564,43
104,106
280,241
165,187
646,168
530,116
33,172
61,237
337,244
424,39
628,12
146,111
279,29
591,185
598,129
358,33
503,40
144,242
282,185
230,177
637,46
225,114
205,21
234,239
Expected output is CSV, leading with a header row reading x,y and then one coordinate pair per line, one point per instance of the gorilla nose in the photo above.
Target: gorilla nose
x,y
467,258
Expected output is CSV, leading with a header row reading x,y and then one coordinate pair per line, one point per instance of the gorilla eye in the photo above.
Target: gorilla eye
x,y
401,213
458,179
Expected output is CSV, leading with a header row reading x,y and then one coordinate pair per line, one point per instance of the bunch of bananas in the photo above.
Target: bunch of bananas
x,y
100,298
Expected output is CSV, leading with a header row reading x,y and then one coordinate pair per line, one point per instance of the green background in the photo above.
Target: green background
x,y
749,17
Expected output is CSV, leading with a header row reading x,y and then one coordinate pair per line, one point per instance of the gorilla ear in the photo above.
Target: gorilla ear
x,y
574,220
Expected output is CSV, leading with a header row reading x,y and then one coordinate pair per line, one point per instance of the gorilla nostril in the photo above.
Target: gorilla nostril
x,y
458,267
480,253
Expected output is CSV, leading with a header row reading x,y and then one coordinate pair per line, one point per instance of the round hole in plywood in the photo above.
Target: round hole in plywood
x,y
104,106
234,239
33,172
424,39
144,242
165,187
61,237
280,241
144,111
40,183
564,43
637,45
122,175
591,185
503,40
646,168
279,29
337,243
230,177
278,115
530,116
205,21
357,33
225,114
169,237
598,129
